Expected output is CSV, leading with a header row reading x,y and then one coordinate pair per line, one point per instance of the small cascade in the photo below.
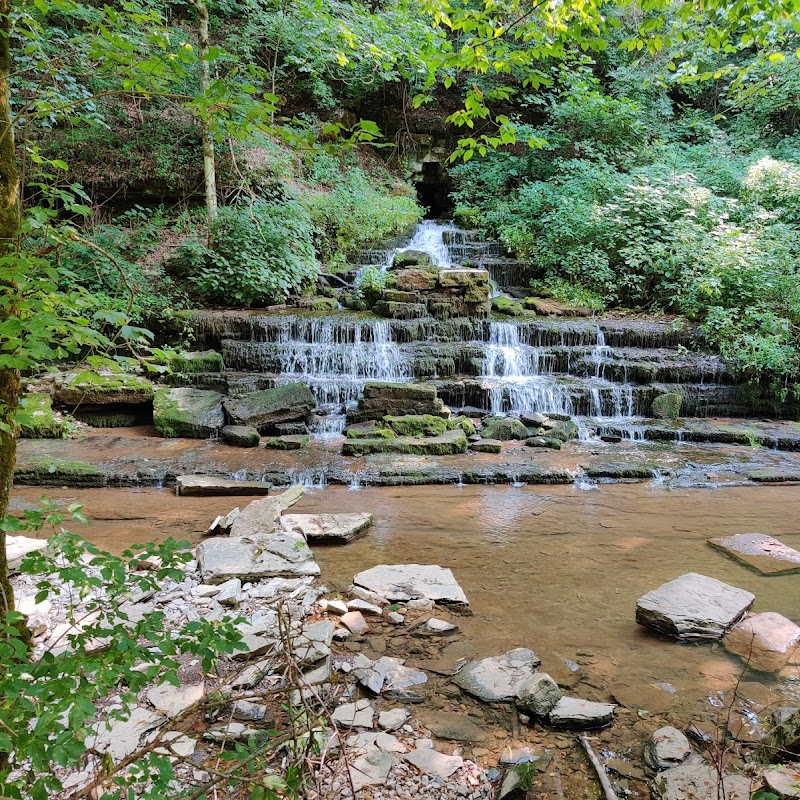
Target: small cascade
x,y
429,237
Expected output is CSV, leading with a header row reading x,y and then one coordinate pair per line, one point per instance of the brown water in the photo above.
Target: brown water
x,y
556,569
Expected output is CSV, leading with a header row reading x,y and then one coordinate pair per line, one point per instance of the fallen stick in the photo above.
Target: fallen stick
x,y
608,789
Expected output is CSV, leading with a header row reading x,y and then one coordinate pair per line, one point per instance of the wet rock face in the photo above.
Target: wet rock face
x,y
499,678
396,400
188,413
693,607
767,642
416,280
667,406
264,409
241,436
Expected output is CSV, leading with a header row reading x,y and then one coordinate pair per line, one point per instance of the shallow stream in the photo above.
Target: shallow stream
x,y
556,569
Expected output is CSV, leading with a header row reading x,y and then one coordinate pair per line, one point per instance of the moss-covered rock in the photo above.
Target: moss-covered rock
x,y
545,442
504,429
621,471
241,436
411,258
563,430
295,442
417,425
667,406
449,443
90,387
264,409
487,446
416,280
38,420
507,306
196,361
324,304
188,413
398,296
465,423
393,310
370,433
44,471
465,279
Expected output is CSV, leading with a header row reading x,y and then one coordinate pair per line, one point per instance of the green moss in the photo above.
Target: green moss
x,y
295,442
197,361
667,406
486,446
324,304
465,423
37,420
450,443
43,471
563,430
504,429
417,425
370,433
507,306
544,441
620,471
95,388
411,258
188,413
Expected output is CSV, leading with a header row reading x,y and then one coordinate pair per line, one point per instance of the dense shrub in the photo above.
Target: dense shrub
x,y
262,252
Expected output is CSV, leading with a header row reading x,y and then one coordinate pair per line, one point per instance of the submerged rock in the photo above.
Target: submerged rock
x,y
328,528
499,678
762,552
403,582
211,486
188,413
767,641
693,606
698,781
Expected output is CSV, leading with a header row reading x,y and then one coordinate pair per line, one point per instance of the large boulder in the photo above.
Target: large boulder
x,y
411,258
403,582
416,280
693,607
498,679
95,388
265,409
504,429
281,554
397,399
767,641
188,413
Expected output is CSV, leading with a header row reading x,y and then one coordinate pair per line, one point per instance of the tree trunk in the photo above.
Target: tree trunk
x,y
10,385
209,162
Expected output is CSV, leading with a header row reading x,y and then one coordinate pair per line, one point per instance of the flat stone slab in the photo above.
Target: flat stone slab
x,y
762,552
371,769
17,547
767,641
262,516
497,679
328,528
209,486
355,715
576,714
693,607
386,674
438,765
282,554
698,781
121,738
667,747
403,582
172,700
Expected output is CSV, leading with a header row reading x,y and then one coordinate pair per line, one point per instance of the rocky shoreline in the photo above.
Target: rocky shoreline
x,y
441,724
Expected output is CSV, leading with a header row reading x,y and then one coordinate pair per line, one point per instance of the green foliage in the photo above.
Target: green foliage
x,y
370,285
262,252
50,704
